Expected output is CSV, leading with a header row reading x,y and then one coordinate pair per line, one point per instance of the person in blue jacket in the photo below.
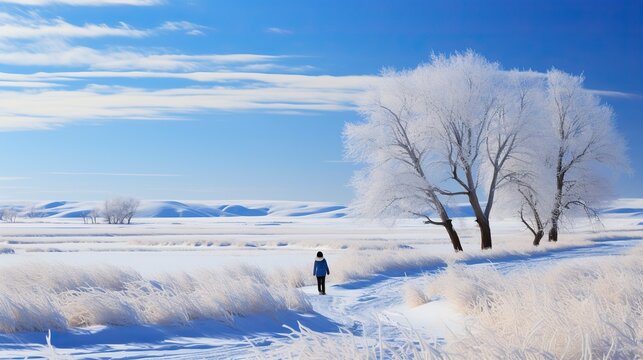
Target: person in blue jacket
x,y
320,270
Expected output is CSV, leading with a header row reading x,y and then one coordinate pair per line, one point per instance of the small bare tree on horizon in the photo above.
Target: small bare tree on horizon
x,y
91,216
119,210
8,214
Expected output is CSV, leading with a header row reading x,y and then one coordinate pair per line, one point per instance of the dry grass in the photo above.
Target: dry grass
x,y
41,297
589,309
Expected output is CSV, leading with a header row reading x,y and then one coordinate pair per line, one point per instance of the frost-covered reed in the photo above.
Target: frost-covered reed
x,y
359,265
38,297
580,310
304,343
41,297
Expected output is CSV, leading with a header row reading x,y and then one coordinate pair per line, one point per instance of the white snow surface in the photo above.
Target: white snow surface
x,y
373,266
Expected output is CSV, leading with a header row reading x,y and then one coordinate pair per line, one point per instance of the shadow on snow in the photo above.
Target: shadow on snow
x,y
100,339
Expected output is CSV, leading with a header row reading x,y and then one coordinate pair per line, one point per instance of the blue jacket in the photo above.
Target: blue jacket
x,y
321,268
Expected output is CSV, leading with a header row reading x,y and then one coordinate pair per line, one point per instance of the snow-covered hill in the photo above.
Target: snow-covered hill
x,y
170,209
228,208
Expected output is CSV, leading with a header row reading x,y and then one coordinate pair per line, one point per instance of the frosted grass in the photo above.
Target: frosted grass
x,y
42,297
579,310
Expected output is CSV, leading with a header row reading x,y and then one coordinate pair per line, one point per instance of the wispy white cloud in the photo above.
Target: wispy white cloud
x,y
95,92
209,91
81,173
27,84
59,53
250,92
346,82
35,41
84,2
273,67
18,27
185,26
30,40
34,27
280,31
616,94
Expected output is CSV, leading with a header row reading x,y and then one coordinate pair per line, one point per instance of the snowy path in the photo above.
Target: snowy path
x,y
361,307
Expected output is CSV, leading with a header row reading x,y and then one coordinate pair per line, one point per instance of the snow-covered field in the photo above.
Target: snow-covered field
x,y
233,280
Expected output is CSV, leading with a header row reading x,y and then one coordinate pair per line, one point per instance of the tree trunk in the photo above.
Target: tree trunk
x,y
453,235
482,220
560,182
553,232
485,233
538,236
485,229
555,214
446,222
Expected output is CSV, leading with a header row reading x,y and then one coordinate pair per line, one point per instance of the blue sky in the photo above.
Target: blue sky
x,y
202,99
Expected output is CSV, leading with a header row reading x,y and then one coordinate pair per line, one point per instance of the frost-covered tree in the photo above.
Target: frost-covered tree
x,y
527,194
91,216
561,166
399,177
476,113
462,126
120,210
583,142
527,174
444,129
8,214
85,216
94,214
